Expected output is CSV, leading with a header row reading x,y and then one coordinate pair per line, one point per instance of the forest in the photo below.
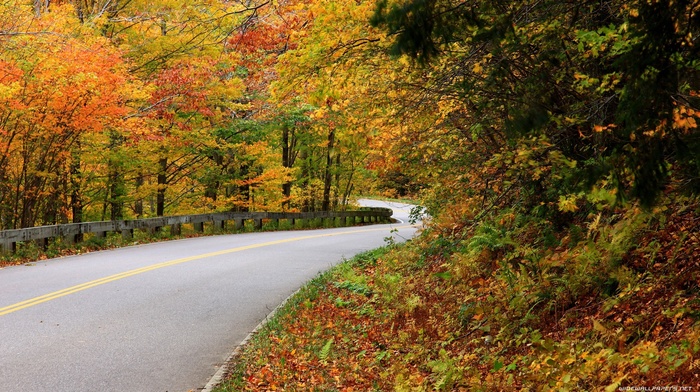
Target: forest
x,y
554,144
127,109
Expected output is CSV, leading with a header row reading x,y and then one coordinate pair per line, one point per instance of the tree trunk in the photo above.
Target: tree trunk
x,y
162,186
335,196
287,163
116,192
306,205
76,197
244,190
40,6
138,203
328,178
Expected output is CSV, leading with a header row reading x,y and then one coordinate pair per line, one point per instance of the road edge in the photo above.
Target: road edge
x,y
218,377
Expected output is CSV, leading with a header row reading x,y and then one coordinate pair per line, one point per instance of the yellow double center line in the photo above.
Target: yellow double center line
x,y
75,289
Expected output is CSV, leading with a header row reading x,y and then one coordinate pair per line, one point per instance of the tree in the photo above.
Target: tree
x,y
570,72
56,89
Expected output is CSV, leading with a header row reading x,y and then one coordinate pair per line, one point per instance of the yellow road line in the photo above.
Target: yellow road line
x,y
75,289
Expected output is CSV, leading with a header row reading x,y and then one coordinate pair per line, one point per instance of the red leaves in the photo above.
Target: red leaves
x,y
294,359
181,88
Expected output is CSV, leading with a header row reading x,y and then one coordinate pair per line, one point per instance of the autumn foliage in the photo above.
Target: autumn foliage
x,y
118,109
554,144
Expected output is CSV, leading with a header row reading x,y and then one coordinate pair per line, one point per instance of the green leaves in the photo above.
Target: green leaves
x,y
523,69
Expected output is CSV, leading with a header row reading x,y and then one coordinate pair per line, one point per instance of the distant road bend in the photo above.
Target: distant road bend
x,y
162,316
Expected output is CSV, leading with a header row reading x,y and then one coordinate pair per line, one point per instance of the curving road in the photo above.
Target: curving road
x,y
163,316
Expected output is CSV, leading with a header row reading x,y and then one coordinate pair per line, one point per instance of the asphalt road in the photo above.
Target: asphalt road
x,y
158,317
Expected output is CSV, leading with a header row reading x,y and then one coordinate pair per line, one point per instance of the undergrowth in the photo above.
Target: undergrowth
x,y
606,300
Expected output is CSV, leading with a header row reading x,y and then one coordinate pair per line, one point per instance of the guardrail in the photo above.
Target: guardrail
x,y
74,232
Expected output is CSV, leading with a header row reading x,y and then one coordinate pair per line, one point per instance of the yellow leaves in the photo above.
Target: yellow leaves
x,y
598,327
405,61
9,91
568,203
319,113
227,89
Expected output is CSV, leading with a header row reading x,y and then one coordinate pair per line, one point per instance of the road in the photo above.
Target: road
x,y
158,317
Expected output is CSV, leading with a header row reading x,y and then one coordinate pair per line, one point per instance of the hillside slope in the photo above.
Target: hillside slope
x,y
606,303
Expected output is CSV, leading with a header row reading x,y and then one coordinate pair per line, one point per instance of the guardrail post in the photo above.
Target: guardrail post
x,y
238,223
219,224
199,227
8,246
176,229
127,233
43,243
258,223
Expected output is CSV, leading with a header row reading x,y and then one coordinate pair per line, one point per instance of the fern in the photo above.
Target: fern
x,y
326,350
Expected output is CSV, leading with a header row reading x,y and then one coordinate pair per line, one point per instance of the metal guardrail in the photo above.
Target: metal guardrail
x,y
73,232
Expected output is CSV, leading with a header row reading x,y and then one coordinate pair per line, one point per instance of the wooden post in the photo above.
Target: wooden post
x,y
176,229
258,224
69,239
238,223
8,246
199,227
127,234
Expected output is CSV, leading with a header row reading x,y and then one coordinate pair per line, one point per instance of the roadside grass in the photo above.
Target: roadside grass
x,y
296,341
608,302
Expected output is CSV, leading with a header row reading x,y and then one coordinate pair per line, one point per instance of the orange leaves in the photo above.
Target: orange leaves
x,y
59,81
603,128
75,83
78,86
684,119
